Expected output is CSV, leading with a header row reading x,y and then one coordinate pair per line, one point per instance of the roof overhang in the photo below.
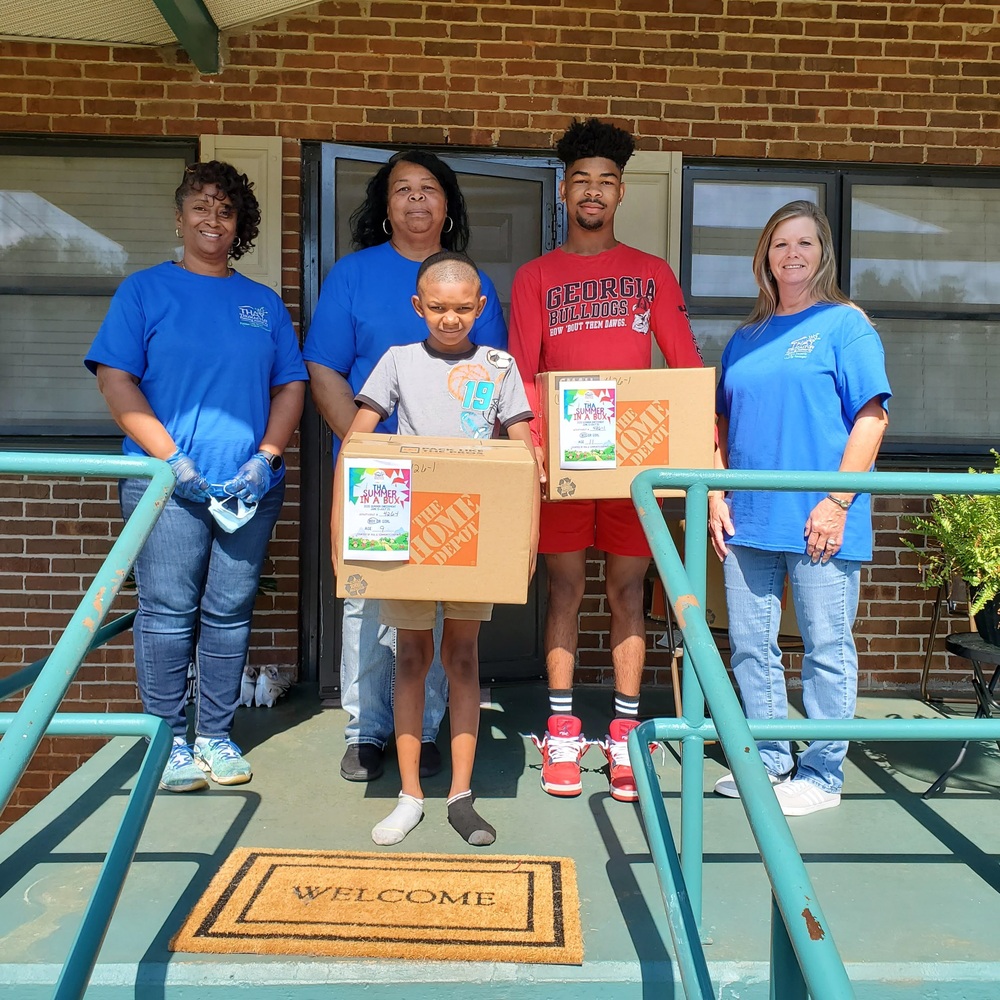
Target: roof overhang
x,y
193,24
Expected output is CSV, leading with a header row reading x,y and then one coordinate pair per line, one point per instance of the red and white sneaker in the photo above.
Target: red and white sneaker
x,y
620,770
561,747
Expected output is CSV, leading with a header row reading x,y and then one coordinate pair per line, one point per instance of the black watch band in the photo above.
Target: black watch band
x,y
275,461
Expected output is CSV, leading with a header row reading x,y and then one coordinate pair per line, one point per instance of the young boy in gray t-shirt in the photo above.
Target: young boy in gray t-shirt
x,y
448,387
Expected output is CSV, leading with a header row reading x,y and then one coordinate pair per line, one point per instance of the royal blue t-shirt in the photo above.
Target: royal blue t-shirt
x,y
207,353
791,392
364,309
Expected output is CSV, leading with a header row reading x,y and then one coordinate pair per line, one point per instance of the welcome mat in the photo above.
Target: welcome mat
x,y
495,908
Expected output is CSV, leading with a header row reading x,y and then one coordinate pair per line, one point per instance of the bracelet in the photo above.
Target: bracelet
x,y
842,504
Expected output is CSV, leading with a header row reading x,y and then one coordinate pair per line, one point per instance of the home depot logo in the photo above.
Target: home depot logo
x,y
444,529
644,432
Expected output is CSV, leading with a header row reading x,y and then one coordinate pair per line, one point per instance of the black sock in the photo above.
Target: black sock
x,y
470,825
626,707
560,701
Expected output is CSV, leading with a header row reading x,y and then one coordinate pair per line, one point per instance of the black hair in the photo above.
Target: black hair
x,y
367,228
237,187
593,137
458,262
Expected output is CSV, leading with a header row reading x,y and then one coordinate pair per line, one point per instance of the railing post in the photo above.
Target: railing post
x,y
787,982
693,701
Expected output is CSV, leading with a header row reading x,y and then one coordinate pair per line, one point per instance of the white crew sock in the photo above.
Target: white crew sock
x,y
408,813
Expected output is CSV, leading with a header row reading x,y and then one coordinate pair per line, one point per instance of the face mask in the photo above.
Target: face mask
x,y
232,513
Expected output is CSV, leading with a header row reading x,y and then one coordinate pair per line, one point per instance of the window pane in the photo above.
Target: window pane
x,y
922,244
85,216
44,388
712,334
728,217
945,378
71,228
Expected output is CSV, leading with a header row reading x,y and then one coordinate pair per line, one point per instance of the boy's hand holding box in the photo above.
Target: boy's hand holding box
x,y
444,519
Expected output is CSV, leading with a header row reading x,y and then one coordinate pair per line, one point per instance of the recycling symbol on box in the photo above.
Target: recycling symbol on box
x,y
356,585
566,487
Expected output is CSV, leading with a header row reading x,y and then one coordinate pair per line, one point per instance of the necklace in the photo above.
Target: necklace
x,y
229,271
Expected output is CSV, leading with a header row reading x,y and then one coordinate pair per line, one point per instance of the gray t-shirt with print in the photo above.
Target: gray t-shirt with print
x,y
447,395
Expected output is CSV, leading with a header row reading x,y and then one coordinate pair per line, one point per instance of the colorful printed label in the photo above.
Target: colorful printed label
x,y
587,425
377,505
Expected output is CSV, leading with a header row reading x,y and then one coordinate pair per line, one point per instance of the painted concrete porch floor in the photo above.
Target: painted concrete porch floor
x,y
911,889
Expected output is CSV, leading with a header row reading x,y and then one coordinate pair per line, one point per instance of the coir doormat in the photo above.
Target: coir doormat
x,y
494,908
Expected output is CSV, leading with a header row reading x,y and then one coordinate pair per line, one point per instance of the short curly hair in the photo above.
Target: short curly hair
x,y
593,137
237,187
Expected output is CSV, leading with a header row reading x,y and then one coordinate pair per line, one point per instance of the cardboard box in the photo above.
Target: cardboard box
x,y
664,417
470,521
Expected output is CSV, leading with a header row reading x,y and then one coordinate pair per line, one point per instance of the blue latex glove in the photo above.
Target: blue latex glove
x,y
253,479
191,484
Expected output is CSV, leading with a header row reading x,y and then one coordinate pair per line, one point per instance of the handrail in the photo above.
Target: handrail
x,y
49,678
803,925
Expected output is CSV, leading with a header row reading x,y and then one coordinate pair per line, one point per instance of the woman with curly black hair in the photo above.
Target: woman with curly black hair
x,y
201,367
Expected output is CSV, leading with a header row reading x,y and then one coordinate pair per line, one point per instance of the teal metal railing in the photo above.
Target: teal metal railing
x,y
804,958
47,681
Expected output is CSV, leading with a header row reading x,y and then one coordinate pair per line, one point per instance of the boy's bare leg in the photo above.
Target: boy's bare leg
x,y
460,658
567,576
624,576
414,652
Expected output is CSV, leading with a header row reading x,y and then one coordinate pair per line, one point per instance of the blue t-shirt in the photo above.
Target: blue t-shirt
x,y
207,352
364,309
791,393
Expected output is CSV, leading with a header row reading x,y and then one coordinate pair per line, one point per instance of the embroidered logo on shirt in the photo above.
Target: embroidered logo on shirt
x,y
802,347
255,316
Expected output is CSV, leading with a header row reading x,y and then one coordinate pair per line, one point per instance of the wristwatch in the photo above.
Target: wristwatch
x,y
275,461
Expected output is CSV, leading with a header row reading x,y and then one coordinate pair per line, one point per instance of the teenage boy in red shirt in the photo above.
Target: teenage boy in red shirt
x,y
591,304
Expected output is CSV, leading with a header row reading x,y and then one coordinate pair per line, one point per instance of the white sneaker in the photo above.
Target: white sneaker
x,y
726,785
800,798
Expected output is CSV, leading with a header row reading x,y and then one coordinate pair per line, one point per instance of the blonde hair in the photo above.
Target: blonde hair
x,y
823,288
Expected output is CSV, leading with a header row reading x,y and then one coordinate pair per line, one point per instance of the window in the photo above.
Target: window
x,y
75,219
919,251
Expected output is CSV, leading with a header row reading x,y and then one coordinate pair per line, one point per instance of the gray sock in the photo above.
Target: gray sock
x,y
464,818
408,813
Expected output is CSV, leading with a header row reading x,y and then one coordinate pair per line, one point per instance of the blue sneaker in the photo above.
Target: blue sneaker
x,y
222,761
181,773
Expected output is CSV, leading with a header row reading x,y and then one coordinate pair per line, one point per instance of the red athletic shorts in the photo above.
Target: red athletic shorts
x,y
609,525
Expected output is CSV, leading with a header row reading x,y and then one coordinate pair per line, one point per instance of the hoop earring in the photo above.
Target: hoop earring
x,y
451,224
385,227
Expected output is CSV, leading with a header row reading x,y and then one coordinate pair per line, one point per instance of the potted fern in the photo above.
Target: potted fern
x,y
963,539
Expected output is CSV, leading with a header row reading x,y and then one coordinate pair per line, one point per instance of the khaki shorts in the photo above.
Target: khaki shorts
x,y
419,616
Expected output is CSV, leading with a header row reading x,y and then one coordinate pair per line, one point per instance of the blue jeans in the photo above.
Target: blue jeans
x,y
826,603
197,586
367,671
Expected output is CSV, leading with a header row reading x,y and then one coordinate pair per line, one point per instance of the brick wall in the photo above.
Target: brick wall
x,y
54,535
891,82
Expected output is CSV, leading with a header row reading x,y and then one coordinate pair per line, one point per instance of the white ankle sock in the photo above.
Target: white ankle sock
x,y
408,813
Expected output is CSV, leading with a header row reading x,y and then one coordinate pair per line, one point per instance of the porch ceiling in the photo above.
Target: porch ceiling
x,y
193,24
